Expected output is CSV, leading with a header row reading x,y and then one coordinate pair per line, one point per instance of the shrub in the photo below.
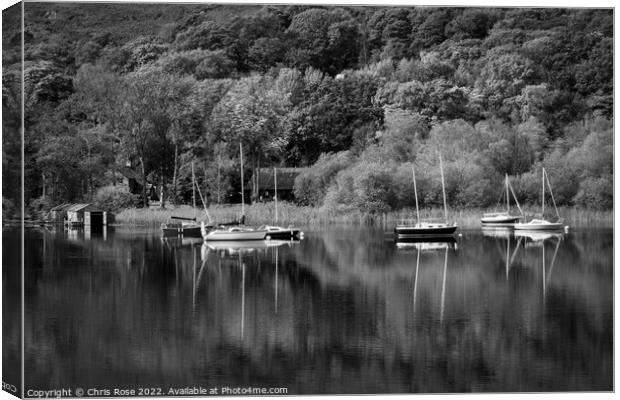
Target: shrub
x,y
340,197
469,185
8,209
403,186
375,188
596,193
39,207
367,187
114,198
311,185
527,187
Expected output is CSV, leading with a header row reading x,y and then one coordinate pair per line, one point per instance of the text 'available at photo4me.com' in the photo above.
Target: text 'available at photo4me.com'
x,y
155,391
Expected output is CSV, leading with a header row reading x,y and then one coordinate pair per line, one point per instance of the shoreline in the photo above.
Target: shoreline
x,y
315,217
303,216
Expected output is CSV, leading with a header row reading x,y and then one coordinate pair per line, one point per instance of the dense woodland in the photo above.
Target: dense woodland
x,y
357,94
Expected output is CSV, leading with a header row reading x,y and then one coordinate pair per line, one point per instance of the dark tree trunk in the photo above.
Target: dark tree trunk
x,y
144,199
174,174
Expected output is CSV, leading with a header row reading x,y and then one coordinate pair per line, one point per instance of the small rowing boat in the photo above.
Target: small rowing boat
x,y
280,233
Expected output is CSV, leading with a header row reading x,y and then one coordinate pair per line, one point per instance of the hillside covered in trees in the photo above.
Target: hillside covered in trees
x,y
356,94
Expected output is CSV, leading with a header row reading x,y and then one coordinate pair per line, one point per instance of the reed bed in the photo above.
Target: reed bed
x,y
581,217
151,216
291,214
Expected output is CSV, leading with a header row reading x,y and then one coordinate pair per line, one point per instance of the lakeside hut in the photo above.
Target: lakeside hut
x,y
264,184
81,214
58,214
132,180
97,218
75,213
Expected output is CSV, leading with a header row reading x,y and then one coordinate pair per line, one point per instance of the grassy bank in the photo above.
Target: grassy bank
x,y
288,213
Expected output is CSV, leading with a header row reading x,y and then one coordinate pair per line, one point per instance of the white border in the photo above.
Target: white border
x,y
483,3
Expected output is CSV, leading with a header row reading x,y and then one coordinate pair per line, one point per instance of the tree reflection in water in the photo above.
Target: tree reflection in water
x,y
331,314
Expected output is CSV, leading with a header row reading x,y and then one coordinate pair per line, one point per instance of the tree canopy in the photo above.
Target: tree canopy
x,y
358,94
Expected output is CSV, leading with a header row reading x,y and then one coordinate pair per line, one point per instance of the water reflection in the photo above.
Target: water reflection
x,y
426,245
340,312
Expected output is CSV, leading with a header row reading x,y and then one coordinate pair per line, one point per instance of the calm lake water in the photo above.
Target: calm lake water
x,y
343,311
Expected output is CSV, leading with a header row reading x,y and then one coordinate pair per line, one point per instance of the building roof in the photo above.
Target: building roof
x,y
61,207
130,173
285,177
79,207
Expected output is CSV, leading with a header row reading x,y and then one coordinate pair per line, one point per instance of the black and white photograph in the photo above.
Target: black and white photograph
x,y
295,199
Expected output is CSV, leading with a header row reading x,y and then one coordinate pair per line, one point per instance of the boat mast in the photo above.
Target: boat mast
x,y
516,201
443,189
507,196
552,197
415,191
200,194
543,193
242,188
275,191
193,191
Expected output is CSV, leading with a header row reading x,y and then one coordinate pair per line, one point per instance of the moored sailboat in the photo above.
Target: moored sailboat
x,y
542,224
235,233
188,227
503,218
408,229
275,232
243,233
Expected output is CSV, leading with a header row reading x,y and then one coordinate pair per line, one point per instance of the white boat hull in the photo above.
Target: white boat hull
x,y
427,246
245,244
238,235
539,225
538,236
504,220
497,231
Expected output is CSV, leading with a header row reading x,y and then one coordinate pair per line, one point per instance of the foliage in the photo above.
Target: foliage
x,y
357,94
327,121
202,64
367,187
250,114
311,184
323,38
39,207
9,210
114,198
595,193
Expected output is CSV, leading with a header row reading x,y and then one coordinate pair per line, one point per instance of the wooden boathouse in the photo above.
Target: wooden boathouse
x,y
75,214
58,214
86,214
